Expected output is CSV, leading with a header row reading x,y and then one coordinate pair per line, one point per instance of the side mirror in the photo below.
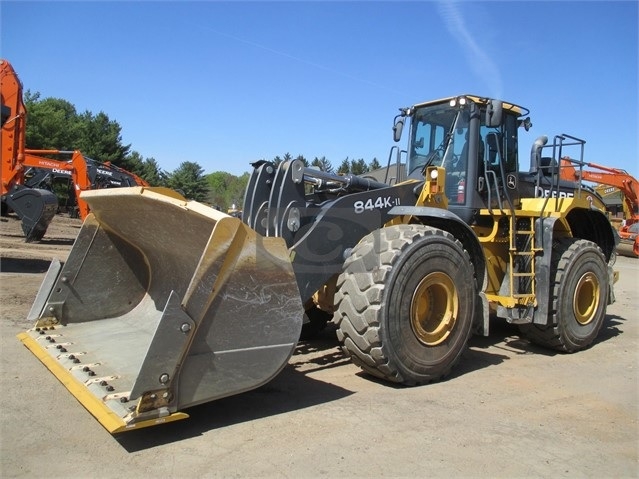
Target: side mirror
x,y
493,113
398,127
526,123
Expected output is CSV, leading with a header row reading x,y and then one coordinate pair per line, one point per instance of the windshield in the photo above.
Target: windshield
x,y
433,134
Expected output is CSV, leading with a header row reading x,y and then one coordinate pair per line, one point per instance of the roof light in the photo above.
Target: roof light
x,y
459,101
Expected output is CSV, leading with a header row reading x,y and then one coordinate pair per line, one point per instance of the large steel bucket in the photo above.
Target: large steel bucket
x,y
164,304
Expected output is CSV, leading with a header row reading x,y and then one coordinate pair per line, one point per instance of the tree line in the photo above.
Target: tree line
x,y
55,124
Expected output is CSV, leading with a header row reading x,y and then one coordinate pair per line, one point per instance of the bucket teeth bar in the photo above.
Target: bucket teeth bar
x,y
164,304
103,394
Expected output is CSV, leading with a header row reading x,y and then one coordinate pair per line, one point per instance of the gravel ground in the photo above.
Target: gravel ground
x,y
510,409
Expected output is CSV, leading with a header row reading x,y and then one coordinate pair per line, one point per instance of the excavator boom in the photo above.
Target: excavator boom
x,y
35,207
605,175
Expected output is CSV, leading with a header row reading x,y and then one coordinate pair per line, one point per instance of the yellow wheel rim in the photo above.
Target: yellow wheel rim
x,y
586,299
434,308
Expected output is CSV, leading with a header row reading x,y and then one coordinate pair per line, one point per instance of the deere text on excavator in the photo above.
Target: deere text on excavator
x,y
407,271
79,172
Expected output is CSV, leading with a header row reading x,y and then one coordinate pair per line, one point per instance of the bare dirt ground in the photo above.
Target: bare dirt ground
x,y
510,409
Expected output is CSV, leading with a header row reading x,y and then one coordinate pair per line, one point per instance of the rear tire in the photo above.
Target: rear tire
x,y
405,303
579,295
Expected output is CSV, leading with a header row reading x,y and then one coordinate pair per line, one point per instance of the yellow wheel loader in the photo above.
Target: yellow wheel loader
x,y
165,303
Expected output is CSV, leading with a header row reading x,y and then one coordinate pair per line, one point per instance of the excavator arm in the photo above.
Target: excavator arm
x,y
614,177
605,175
85,173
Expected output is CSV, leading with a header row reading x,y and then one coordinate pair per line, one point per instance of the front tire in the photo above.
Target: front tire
x,y
405,303
579,282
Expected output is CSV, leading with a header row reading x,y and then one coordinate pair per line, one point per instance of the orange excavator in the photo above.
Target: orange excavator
x,y
82,172
612,177
27,176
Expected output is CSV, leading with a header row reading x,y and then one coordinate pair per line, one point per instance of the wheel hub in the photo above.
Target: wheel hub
x,y
586,299
434,308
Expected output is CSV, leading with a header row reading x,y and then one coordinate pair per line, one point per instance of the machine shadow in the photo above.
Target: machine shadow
x,y
507,337
45,241
610,328
24,265
293,389
57,241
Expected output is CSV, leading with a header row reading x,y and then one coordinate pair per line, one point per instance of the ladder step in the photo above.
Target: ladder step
x,y
523,281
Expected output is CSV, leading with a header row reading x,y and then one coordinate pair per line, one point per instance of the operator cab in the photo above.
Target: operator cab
x,y
475,140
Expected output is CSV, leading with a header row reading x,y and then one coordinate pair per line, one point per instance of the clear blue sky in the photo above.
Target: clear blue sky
x,y
227,83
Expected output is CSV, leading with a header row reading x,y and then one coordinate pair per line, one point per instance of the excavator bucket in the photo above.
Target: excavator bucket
x,y
35,207
163,304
